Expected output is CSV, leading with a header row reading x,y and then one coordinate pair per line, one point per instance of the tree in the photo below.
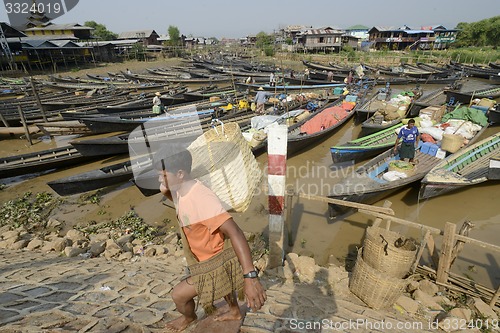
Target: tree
x,y
480,33
174,34
262,40
100,31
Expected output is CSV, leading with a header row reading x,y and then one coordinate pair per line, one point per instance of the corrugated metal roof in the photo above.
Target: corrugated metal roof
x,y
136,34
68,26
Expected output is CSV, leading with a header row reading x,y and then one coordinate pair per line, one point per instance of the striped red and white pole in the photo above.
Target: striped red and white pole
x,y
276,152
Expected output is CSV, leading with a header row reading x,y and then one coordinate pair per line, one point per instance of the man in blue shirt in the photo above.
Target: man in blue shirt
x,y
411,137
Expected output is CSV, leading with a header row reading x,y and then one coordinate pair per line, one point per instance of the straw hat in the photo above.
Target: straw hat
x,y
157,93
260,88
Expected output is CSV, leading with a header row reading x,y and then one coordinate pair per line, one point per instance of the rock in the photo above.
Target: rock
x,y
76,236
484,309
125,239
443,300
73,251
97,248
9,235
428,287
292,259
408,304
332,260
34,244
20,244
306,269
102,237
150,252
53,224
112,252
426,300
125,256
412,286
59,244
336,274
159,250
128,247
463,313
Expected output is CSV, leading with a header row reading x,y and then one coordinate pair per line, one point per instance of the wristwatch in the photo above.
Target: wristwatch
x,y
251,275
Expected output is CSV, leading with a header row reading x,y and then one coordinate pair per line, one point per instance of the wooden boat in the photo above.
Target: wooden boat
x,y
464,168
96,179
179,131
367,185
40,161
375,124
366,146
371,105
467,97
281,88
321,125
494,116
68,127
117,124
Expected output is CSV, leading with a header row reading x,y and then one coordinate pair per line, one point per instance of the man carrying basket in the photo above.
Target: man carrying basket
x,y
217,252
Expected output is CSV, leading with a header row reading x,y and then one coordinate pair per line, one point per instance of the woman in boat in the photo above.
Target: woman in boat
x,y
411,137
157,106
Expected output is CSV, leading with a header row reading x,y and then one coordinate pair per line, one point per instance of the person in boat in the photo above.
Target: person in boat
x,y
411,137
260,99
272,79
157,105
306,74
329,76
217,252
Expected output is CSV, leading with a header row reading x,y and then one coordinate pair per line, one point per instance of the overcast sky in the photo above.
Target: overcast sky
x,y
233,19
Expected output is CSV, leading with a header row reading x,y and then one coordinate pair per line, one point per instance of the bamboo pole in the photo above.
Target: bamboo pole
x,y
398,220
4,121
431,246
378,220
351,204
37,98
446,250
288,222
459,245
420,251
495,298
25,125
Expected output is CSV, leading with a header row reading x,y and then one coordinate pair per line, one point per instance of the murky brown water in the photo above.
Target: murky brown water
x,y
313,232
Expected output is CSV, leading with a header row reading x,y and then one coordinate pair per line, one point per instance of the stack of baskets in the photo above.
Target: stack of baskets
x,y
383,262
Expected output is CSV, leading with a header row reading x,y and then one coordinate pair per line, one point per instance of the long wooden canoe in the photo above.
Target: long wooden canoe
x,y
465,168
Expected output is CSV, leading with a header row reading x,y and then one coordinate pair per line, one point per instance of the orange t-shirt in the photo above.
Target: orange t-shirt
x,y
200,215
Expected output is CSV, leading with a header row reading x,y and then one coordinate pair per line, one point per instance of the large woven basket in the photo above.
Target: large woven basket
x,y
382,252
375,288
223,161
452,142
402,166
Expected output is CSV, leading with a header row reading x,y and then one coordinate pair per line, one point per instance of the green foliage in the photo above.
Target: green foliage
x,y
481,33
263,40
130,221
269,50
175,35
101,31
93,198
29,210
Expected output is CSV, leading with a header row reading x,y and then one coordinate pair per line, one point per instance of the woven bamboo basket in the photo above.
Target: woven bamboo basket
x,y
408,169
452,142
257,138
223,161
375,288
381,253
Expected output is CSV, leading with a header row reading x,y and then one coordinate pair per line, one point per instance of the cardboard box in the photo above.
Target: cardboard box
x,y
440,153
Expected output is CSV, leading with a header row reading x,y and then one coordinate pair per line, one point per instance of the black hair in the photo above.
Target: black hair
x,y
411,121
172,159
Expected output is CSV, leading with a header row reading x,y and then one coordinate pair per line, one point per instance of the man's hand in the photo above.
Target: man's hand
x,y
255,294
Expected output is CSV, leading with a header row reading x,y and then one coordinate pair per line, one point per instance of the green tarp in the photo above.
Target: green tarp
x,y
466,113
